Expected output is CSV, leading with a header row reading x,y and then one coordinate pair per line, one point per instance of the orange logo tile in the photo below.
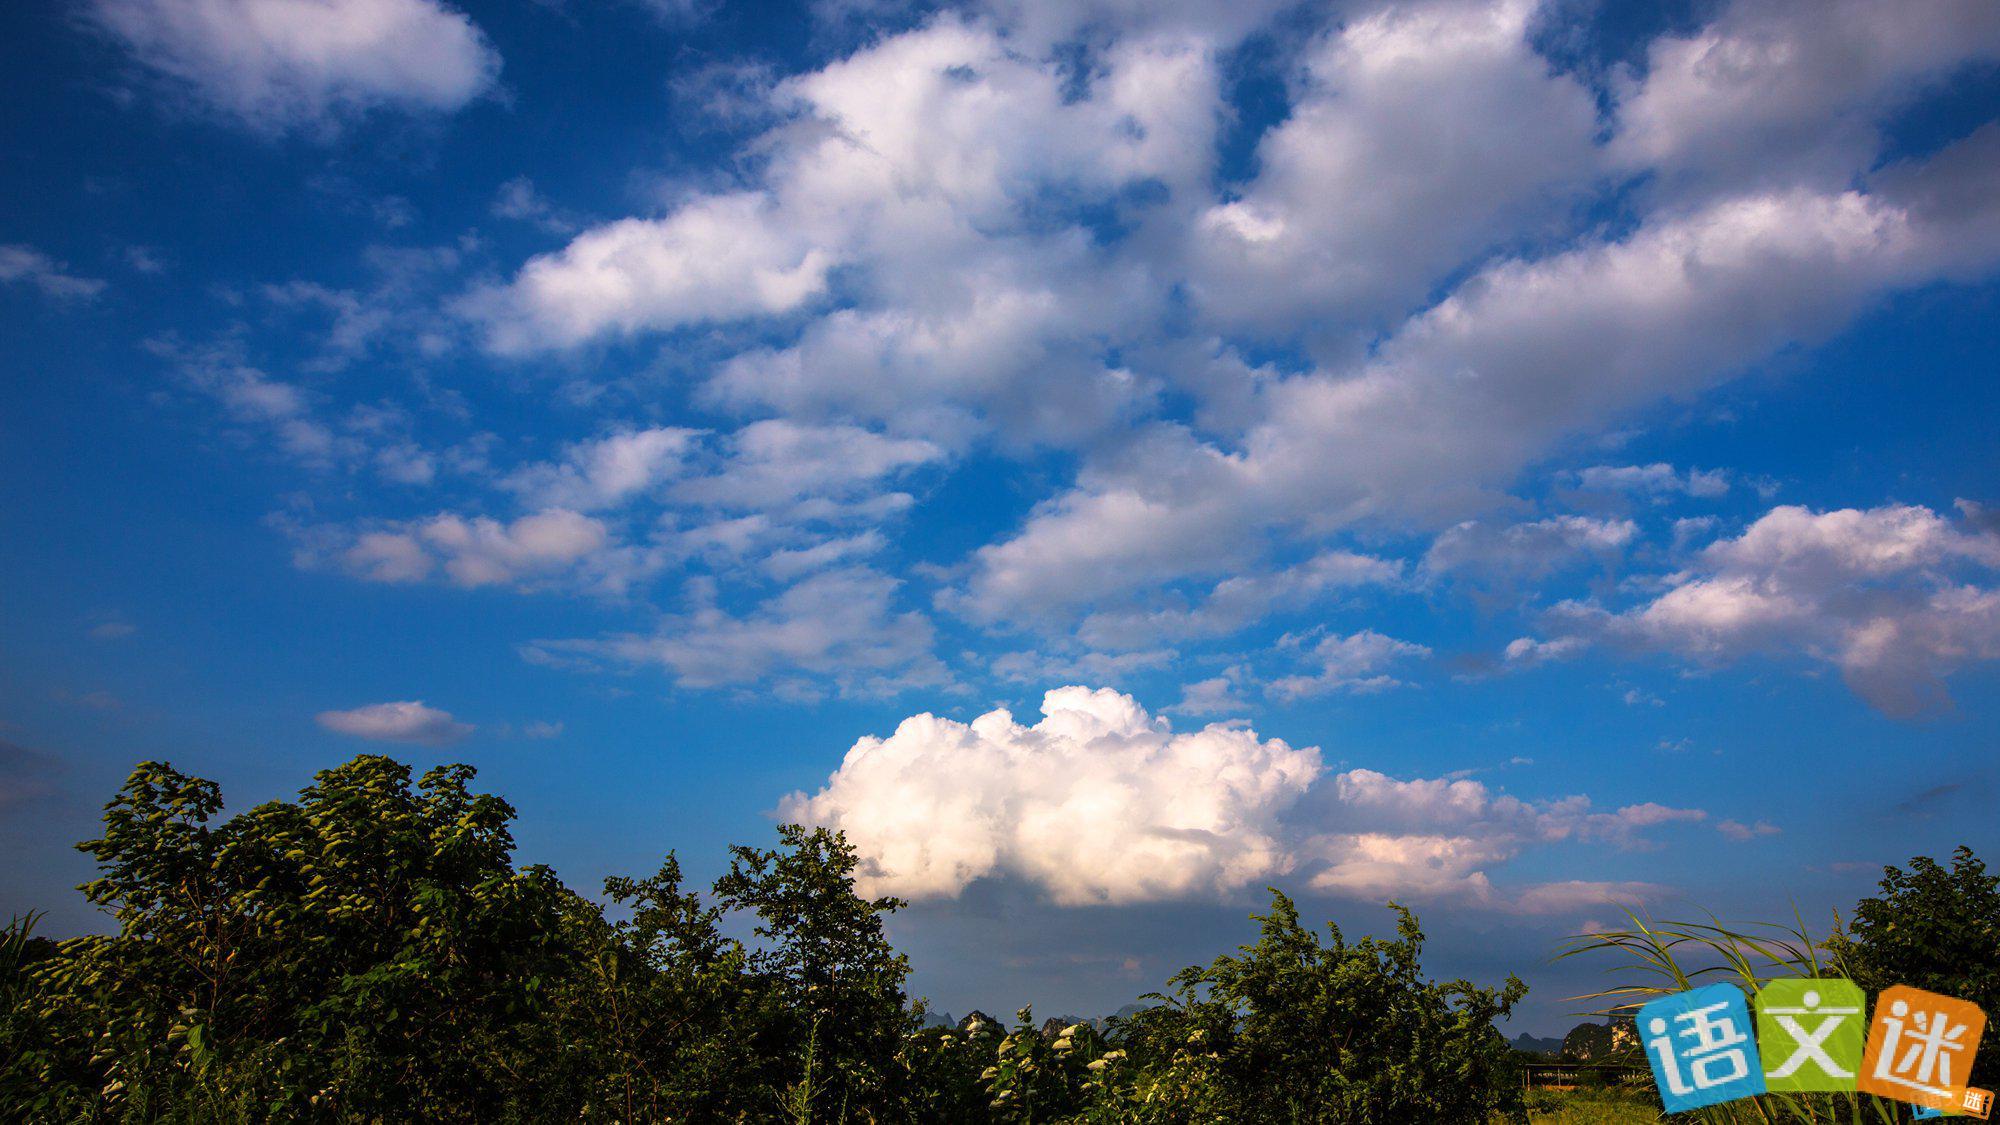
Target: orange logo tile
x,y
1920,1047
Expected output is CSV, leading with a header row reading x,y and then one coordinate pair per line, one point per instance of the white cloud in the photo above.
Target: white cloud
x,y
482,551
1571,895
956,235
1526,551
775,464
282,64
1089,545
518,200
144,259
1160,815
1783,90
555,545
776,497
839,626
1039,23
1354,663
608,471
1436,838
719,257
788,563
1173,815
1741,833
921,165
1891,596
1422,133
1657,479
1383,804
389,556
785,498
958,242
1095,667
409,721
1522,354
25,265
281,411
1216,695
1239,601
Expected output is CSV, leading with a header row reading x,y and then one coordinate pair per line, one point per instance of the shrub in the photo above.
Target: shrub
x,y
371,952
1298,1029
1932,928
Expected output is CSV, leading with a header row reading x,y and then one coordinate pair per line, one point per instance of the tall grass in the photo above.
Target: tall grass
x,y
1654,959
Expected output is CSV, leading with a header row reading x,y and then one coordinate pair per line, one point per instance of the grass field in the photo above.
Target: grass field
x,y
1591,1107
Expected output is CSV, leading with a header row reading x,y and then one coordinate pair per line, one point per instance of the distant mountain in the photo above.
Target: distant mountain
x,y
975,1021
1601,1042
1050,1028
1103,1023
1536,1045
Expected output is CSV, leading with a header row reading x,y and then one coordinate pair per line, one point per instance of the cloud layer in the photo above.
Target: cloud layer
x,y
1894,597
277,65
1216,374
1100,802
407,721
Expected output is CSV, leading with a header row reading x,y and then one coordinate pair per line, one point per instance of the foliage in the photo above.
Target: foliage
x,y
1300,1030
1600,1105
1660,958
1035,1077
656,1017
370,952
947,1071
835,982
364,948
1932,928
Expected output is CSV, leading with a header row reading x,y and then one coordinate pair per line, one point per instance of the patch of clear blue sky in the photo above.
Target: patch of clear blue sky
x,y
120,500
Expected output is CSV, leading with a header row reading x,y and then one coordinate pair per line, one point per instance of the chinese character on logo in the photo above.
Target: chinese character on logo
x,y
1699,1045
1975,1103
1811,1033
1920,1048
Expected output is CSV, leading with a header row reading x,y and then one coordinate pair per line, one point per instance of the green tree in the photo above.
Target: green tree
x,y
837,981
657,1016
943,1072
1040,1077
1296,1029
1934,928
363,953
369,952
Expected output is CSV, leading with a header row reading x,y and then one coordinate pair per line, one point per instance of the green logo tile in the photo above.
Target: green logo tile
x,y
1811,1033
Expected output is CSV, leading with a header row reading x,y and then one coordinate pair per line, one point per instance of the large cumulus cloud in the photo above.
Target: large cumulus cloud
x,y
1100,802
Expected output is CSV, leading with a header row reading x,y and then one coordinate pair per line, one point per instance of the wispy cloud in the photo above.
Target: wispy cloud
x,y
24,265
275,66
409,721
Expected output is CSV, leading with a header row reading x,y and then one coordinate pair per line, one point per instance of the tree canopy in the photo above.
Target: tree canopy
x,y
371,952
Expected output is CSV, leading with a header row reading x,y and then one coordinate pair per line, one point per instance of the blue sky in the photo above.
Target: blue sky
x,y
1519,460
